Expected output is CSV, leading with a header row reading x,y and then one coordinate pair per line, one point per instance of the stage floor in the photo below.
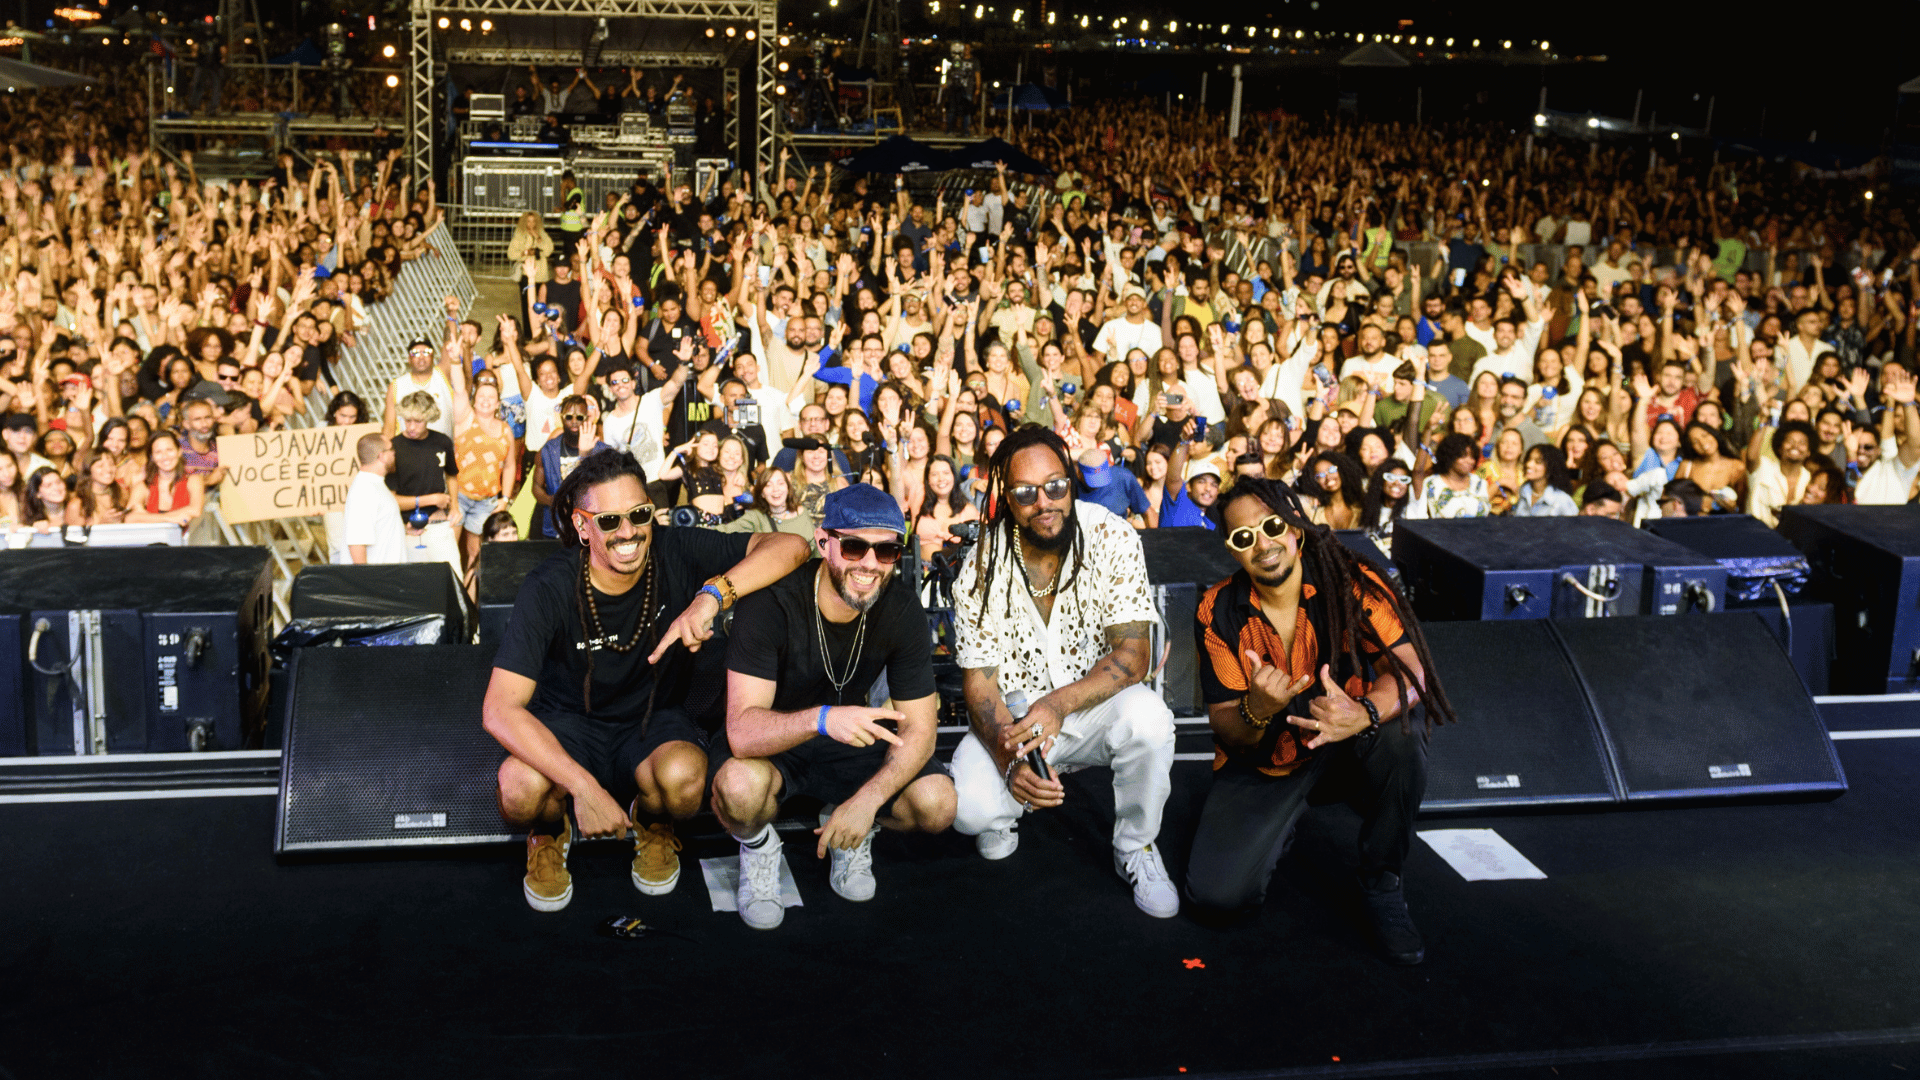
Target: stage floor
x,y
161,938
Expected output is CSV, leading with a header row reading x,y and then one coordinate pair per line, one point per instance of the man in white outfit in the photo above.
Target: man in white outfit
x,y
1054,614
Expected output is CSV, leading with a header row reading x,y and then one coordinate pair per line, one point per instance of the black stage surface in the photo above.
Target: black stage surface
x,y
160,938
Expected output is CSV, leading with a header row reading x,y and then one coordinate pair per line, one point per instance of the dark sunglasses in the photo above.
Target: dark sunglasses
x,y
640,516
854,549
573,417
1273,527
1028,494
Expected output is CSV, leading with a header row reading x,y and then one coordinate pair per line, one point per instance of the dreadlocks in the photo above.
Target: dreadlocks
x,y
1000,528
1348,589
602,467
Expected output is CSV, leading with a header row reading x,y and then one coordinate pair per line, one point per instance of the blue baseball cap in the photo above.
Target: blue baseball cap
x,y
862,506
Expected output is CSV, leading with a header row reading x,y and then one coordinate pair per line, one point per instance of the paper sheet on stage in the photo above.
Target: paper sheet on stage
x,y
1480,854
723,877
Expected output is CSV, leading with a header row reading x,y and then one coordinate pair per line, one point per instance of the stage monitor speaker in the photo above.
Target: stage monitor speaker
x,y
1526,736
13,689
139,650
1866,563
502,567
360,592
384,749
1757,558
1531,568
1182,564
1700,707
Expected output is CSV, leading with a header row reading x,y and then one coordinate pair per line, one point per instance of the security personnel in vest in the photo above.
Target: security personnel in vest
x,y
573,211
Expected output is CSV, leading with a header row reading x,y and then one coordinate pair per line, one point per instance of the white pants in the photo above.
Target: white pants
x,y
1131,732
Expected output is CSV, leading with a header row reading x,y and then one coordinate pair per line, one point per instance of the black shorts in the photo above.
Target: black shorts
x,y
612,751
826,769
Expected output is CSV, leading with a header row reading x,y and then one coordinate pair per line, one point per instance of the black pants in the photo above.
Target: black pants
x,y
1249,816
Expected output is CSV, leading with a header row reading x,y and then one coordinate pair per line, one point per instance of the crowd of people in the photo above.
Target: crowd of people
x,y
1185,310
146,311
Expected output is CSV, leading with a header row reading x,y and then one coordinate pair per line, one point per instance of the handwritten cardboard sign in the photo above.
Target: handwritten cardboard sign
x,y
300,472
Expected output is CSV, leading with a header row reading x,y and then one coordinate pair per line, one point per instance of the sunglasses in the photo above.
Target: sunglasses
x,y
640,516
1273,527
574,418
854,549
1028,494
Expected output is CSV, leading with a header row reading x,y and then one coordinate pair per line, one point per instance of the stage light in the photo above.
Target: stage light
x,y
1050,16
709,31
1476,43
751,34
1083,22
486,26
1593,121
387,52
783,67
979,11
1676,136
1539,119
393,81
1545,45
781,90
1449,43
1869,196
466,25
731,31
783,41
1173,28
1250,31
1506,44
443,22
1017,13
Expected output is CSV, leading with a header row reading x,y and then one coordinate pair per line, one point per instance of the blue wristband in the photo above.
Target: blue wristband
x,y
820,723
714,591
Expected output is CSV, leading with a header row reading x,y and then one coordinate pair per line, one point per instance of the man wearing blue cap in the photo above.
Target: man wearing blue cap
x,y
804,655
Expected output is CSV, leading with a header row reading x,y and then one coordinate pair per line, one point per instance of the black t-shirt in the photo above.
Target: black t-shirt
x,y
776,637
546,640
565,296
421,466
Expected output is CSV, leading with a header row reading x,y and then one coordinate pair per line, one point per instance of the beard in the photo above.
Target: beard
x,y
1054,544
838,576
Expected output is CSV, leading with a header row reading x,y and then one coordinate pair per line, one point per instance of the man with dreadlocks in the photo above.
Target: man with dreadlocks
x,y
579,696
1052,608
1318,684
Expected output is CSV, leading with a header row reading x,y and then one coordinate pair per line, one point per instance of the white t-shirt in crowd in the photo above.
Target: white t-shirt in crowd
x,y
373,521
1119,337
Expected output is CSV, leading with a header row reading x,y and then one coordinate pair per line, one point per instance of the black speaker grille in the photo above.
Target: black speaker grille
x,y
1701,705
1525,735
384,748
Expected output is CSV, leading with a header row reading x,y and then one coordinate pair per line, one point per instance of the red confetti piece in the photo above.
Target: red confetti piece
x,y
1194,963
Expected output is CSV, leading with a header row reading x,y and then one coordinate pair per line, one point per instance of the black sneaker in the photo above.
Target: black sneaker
x,y
1387,910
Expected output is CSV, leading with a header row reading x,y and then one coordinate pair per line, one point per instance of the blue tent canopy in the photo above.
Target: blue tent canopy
x,y
1031,97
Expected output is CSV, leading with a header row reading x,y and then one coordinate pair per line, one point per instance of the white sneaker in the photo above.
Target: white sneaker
x,y
997,843
1153,890
851,873
758,893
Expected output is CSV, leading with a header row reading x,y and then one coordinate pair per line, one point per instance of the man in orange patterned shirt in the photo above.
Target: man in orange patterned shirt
x,y
1317,684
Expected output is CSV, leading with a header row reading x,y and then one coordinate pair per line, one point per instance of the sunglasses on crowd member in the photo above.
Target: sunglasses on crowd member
x,y
1396,478
853,549
573,418
620,380
1273,527
639,516
1028,494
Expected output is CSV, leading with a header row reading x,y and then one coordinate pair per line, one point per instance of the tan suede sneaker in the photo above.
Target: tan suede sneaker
x,y
548,884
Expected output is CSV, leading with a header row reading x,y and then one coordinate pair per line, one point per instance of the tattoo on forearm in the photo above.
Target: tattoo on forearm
x,y
1122,660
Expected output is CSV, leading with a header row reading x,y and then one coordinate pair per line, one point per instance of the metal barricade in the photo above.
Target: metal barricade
x,y
414,307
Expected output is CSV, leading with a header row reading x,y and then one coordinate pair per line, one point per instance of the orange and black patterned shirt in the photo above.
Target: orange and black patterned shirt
x,y
1230,622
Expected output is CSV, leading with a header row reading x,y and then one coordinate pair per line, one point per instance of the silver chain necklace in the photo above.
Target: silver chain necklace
x,y
1020,556
826,661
